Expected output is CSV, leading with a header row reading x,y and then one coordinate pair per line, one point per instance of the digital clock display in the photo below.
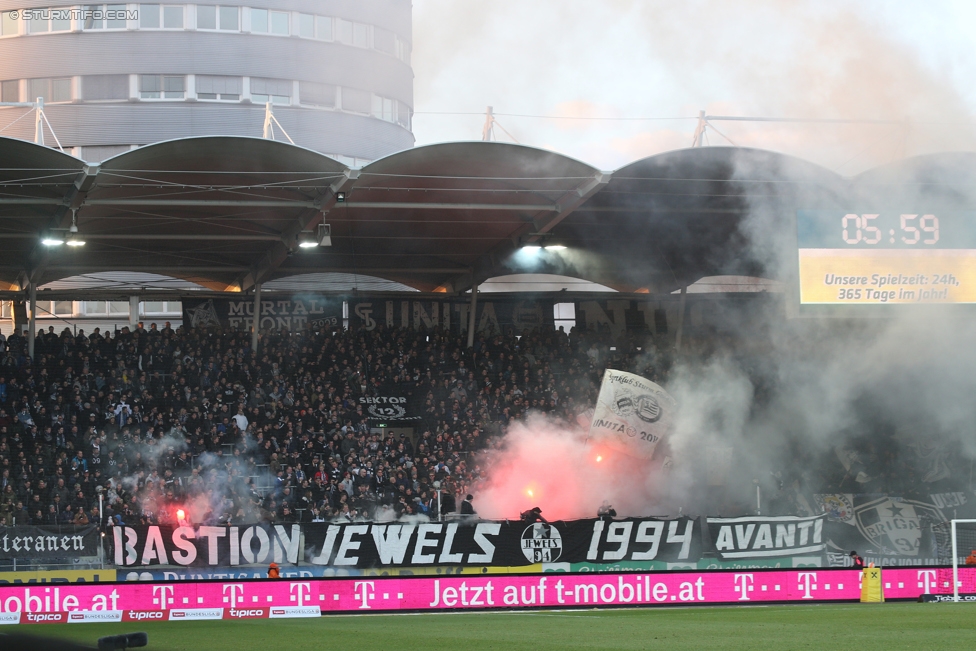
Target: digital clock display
x,y
894,257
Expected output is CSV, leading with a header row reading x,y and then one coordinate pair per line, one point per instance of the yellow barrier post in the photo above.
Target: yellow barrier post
x,y
872,591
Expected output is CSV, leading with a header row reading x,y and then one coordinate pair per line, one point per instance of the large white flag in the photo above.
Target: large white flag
x,y
632,414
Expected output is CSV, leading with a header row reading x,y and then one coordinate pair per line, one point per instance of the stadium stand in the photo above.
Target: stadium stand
x,y
159,418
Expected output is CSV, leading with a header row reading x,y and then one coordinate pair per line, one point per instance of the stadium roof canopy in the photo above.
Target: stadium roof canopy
x,y
225,212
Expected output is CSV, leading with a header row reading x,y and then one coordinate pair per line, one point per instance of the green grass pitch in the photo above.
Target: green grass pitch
x,y
860,627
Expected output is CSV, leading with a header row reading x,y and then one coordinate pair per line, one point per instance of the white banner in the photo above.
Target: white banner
x,y
632,414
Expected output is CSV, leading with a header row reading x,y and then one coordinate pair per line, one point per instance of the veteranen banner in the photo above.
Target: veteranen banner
x,y
29,542
292,314
376,545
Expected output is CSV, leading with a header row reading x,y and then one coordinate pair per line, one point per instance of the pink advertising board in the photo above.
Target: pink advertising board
x,y
182,601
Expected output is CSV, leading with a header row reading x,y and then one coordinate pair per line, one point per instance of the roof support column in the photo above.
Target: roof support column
x,y
133,312
471,316
32,323
682,302
256,321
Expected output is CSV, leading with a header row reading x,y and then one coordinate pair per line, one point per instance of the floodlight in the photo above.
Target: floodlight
x,y
306,240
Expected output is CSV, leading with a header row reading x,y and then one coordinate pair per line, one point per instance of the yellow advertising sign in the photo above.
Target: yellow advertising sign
x,y
875,277
58,576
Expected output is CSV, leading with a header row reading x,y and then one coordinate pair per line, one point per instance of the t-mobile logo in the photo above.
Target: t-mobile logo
x,y
236,592
808,582
743,585
300,591
364,592
162,596
926,580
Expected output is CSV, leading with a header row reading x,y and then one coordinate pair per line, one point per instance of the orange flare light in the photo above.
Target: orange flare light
x,y
181,515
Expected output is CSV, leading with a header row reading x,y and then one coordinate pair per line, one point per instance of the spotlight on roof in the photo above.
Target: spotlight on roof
x,y
306,240
554,247
531,248
74,239
324,234
52,239
340,197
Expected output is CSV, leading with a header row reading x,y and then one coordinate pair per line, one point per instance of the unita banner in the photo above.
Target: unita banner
x,y
632,414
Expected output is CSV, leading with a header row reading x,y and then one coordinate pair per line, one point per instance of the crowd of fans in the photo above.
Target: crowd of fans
x,y
158,421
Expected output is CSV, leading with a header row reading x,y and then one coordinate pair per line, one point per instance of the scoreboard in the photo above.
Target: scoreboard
x,y
883,258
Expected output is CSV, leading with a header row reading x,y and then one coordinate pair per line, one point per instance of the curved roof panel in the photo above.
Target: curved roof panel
x,y
227,212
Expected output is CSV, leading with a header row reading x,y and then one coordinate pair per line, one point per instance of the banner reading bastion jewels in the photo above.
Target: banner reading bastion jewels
x,y
377,545
191,600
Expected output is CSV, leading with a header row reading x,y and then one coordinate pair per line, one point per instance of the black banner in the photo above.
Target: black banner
x,y
293,314
205,546
623,315
499,316
889,530
43,542
755,537
390,409
375,545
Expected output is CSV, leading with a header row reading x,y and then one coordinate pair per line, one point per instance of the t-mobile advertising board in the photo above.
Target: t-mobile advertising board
x,y
182,601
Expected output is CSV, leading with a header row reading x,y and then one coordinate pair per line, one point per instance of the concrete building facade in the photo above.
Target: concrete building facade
x,y
120,75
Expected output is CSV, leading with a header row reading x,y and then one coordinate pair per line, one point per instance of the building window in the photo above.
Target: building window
x,y
226,19
61,90
230,19
323,28
10,91
312,94
149,17
8,24
384,109
276,91
105,87
280,23
403,115
227,89
54,308
343,31
402,50
270,22
564,314
259,21
173,17
106,16
360,35
162,87
306,25
40,21
161,308
51,90
206,17
94,308
356,101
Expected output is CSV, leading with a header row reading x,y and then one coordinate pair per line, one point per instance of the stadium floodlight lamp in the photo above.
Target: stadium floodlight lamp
x,y
324,235
306,240
531,248
340,197
74,239
52,239
554,247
